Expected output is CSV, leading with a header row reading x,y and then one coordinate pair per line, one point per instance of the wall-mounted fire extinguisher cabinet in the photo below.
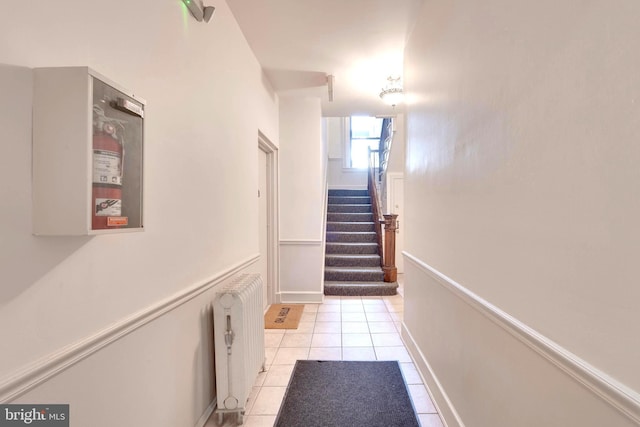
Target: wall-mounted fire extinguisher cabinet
x,y
88,139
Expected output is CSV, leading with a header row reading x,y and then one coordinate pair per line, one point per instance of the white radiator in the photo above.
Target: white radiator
x,y
238,325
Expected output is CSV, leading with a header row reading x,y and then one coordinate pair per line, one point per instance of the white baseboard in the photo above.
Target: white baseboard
x,y
207,413
614,393
438,395
301,242
54,363
301,297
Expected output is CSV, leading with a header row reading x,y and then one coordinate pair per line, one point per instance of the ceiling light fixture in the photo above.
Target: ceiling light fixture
x,y
199,11
392,92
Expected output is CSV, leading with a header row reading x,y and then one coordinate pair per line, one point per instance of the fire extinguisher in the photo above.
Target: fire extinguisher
x,y
108,162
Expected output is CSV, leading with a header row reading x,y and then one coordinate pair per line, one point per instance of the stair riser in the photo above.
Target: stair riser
x,y
349,208
353,193
354,261
347,217
354,276
360,289
333,236
341,248
354,227
345,200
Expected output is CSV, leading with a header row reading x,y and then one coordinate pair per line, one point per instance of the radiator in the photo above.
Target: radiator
x,y
238,325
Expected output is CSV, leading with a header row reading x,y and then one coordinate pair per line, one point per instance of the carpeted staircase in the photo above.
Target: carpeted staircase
x,y
352,262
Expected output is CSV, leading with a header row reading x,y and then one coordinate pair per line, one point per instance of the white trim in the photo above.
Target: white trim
x,y
448,413
301,297
618,395
273,256
54,363
301,242
207,413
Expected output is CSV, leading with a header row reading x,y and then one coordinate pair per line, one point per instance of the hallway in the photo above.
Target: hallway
x,y
341,328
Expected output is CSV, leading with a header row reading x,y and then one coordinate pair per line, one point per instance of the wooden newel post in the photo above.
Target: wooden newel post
x,y
389,266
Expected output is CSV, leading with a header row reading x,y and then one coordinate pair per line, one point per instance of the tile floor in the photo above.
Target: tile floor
x,y
341,328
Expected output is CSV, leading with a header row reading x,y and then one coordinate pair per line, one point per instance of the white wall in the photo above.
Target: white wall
x,y
206,100
338,176
521,187
303,156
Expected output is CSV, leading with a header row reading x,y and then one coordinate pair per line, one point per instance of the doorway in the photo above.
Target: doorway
x,y
268,218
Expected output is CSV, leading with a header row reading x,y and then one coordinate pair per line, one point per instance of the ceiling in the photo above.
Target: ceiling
x,y
300,42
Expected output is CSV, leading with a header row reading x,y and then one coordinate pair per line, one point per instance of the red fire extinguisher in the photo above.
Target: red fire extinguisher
x,y
108,161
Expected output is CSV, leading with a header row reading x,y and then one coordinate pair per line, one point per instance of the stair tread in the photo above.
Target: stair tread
x,y
361,283
353,243
354,268
349,204
352,232
353,255
351,222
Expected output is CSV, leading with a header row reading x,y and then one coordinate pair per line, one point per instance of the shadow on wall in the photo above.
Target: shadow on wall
x,y
204,362
24,258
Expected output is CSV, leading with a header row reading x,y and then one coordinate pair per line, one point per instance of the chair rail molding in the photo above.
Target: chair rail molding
x,y
45,368
616,394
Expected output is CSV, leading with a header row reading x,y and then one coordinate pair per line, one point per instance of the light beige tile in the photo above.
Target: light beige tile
x,y
386,340
353,317
288,356
378,317
278,375
296,340
327,327
382,327
270,354
311,308
251,399
325,353
268,401
430,420
393,353
303,328
259,421
355,328
353,301
273,340
356,340
326,340
328,317
395,308
329,308
331,299
421,399
397,317
308,317
393,299
370,299
358,353
260,378
398,326
410,373
352,308
377,308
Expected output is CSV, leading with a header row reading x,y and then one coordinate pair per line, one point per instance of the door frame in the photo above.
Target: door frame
x,y
273,255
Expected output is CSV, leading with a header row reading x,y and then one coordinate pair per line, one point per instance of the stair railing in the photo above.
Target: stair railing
x,y
387,250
